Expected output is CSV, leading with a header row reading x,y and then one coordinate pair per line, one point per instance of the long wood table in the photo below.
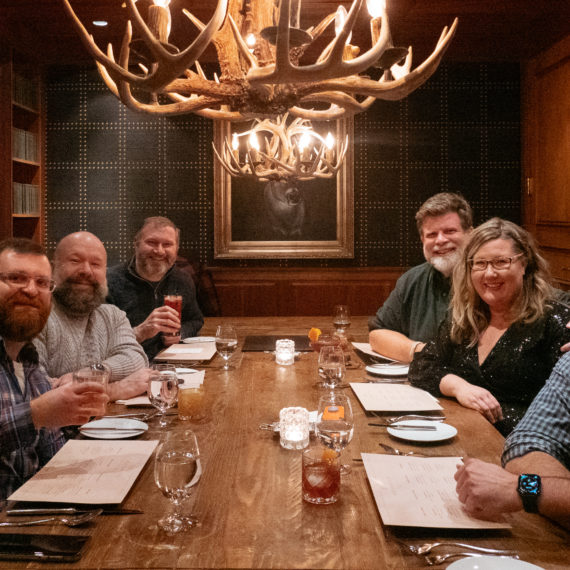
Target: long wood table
x,y
249,497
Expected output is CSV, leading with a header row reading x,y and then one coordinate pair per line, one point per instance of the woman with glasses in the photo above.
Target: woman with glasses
x,y
504,331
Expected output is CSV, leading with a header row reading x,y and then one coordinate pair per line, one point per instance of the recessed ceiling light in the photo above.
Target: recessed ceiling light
x,y
100,23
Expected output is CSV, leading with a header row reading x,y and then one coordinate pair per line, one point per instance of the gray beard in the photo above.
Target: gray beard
x,y
82,303
446,264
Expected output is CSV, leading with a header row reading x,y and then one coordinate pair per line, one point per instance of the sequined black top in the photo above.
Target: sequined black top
x,y
514,371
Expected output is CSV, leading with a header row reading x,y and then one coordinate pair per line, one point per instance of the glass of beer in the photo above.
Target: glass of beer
x,y
190,402
320,475
174,301
94,372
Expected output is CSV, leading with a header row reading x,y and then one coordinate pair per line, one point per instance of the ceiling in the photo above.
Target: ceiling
x,y
489,30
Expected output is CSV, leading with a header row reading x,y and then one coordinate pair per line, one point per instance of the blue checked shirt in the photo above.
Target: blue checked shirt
x,y
546,424
23,448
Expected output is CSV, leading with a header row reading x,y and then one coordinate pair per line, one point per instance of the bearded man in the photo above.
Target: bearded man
x,y
139,286
30,411
82,328
418,304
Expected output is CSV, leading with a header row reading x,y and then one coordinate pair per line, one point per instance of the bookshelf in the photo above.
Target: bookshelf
x,y
21,168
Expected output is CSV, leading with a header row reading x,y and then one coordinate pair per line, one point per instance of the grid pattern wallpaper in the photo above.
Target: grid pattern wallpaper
x,y
107,168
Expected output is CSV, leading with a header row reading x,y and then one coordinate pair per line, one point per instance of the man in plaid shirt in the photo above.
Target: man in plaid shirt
x,y
536,457
30,411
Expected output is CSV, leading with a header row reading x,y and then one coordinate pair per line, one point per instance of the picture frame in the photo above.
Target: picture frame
x,y
322,227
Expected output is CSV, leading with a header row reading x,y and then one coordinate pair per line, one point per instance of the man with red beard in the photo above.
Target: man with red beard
x,y
139,286
30,411
82,328
414,310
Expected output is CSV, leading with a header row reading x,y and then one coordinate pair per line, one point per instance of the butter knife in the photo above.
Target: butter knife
x,y
69,511
410,428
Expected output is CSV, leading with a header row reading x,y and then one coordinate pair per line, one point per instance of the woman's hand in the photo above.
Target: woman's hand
x,y
472,396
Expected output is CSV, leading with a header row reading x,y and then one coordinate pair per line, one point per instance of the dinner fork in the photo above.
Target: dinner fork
x,y
436,559
67,521
426,548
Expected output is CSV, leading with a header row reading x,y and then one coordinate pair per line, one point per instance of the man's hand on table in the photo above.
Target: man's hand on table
x,y
132,385
65,379
70,404
486,490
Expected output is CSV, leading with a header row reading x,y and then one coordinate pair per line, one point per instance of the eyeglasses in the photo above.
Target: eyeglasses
x,y
498,264
21,280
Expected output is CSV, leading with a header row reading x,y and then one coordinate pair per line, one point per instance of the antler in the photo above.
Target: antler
x,y
267,82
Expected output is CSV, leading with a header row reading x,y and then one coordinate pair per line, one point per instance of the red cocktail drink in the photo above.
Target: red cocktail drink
x,y
174,301
320,476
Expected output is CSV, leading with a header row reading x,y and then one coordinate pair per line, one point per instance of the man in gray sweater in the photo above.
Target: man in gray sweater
x,y
82,328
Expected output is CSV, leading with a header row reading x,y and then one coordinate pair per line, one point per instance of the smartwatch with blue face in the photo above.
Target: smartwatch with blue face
x,y
529,489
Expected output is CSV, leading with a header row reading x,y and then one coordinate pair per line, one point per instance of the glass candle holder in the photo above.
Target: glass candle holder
x,y
285,351
294,428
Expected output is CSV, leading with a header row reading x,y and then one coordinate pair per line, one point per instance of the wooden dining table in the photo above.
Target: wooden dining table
x,y
249,501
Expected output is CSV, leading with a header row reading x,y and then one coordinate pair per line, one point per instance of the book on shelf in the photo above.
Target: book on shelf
x,y
25,91
24,145
26,199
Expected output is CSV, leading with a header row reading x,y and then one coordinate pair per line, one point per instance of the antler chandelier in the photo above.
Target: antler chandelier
x,y
266,80
293,151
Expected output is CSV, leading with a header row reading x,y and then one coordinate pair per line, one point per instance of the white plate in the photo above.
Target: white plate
x,y
388,369
120,428
192,339
492,563
442,431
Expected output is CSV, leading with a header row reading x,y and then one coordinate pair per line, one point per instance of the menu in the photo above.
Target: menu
x,y
394,398
88,472
187,353
420,492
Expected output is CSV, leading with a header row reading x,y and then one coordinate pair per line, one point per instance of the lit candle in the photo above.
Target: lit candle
x,y
285,351
253,146
329,143
159,19
294,428
305,147
375,8
235,147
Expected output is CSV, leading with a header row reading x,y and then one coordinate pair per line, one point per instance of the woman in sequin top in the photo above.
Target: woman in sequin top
x,y
504,333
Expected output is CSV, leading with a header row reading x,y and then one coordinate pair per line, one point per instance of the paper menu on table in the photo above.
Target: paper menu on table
x,y
187,353
88,472
419,491
394,398
367,349
191,379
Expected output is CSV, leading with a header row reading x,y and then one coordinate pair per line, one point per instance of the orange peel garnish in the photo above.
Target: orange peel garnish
x,y
314,334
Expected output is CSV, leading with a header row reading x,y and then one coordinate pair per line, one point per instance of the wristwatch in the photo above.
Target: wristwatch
x,y
529,489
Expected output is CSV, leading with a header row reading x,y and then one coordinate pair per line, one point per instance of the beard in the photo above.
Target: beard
x,y
23,322
446,263
80,303
155,267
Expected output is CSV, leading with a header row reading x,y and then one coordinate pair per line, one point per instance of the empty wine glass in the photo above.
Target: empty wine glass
x,y
226,343
177,469
331,367
162,389
335,423
341,318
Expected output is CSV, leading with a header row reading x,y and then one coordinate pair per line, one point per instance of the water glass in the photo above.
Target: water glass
x,y
226,343
341,318
331,366
162,389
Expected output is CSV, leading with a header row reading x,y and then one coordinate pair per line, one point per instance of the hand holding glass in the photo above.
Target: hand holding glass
x,y
175,302
226,343
176,470
162,388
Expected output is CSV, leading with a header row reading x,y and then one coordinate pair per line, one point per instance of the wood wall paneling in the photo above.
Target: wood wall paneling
x,y
314,292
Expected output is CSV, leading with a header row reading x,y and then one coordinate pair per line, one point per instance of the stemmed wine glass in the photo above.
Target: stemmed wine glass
x,y
335,424
332,367
341,318
177,469
226,343
162,389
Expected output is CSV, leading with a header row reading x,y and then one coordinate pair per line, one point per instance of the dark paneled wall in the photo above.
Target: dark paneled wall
x,y
107,168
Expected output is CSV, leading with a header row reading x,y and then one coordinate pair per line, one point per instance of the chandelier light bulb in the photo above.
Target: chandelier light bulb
x,y
250,40
163,3
375,7
339,20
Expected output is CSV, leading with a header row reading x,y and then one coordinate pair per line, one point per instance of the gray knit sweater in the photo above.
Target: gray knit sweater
x,y
66,343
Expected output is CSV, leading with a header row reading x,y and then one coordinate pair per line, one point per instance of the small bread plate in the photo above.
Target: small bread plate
x,y
492,563
192,339
388,369
113,428
442,432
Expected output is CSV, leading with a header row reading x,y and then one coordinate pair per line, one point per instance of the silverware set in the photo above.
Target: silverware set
x,y
76,520
436,559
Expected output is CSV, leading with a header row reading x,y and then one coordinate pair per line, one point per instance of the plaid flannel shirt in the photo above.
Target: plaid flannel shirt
x,y
546,424
23,448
